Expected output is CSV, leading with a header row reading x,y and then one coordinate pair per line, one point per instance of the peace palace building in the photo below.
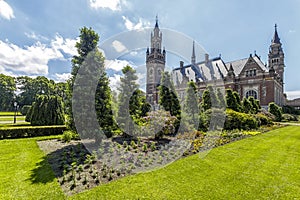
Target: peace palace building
x,y
248,76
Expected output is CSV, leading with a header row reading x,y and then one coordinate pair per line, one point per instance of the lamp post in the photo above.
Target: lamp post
x,y
15,116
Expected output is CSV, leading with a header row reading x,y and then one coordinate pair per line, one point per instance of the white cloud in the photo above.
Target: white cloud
x,y
114,5
62,77
33,35
33,60
293,94
131,26
7,73
116,65
29,60
114,82
66,45
6,11
118,46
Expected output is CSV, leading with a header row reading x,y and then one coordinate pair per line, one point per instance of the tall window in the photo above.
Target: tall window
x,y
252,93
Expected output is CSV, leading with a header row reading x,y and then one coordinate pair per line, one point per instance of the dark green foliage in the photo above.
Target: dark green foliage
x,y
103,97
247,106
47,110
138,106
255,105
221,99
20,132
237,120
90,59
290,110
214,98
211,119
203,122
25,109
232,100
191,107
238,101
7,89
276,111
128,100
87,43
206,100
168,97
31,87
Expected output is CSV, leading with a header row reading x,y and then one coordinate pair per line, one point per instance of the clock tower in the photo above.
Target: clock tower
x,y
155,64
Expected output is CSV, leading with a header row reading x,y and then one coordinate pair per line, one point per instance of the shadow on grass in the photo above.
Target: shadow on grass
x,y
42,173
54,163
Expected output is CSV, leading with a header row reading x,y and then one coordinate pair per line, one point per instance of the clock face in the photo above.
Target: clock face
x,y
151,71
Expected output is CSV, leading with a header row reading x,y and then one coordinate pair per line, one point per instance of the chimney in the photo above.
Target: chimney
x,y
206,58
181,64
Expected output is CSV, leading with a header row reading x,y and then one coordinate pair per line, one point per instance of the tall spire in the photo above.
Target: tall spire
x,y
156,24
193,59
276,39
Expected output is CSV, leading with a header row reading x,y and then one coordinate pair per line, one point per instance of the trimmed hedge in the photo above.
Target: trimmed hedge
x,y
30,131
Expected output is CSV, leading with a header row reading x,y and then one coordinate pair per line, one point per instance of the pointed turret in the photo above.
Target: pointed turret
x,y
276,38
193,58
156,22
276,56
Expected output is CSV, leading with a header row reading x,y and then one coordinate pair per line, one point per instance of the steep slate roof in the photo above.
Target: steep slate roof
x,y
237,65
201,71
260,63
212,69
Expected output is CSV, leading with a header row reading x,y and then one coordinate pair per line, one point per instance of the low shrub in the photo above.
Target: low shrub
x,y
289,118
68,136
241,121
211,119
30,131
263,119
276,111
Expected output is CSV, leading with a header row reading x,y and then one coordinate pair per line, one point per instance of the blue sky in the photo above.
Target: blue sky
x,y
38,37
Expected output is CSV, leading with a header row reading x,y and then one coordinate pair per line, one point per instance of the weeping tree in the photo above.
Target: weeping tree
x,y
46,110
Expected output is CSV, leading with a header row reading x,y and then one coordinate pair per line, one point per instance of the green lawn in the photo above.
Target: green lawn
x,y
24,174
18,124
11,118
261,167
9,113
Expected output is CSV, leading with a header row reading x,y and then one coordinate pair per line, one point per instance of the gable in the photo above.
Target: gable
x,y
253,67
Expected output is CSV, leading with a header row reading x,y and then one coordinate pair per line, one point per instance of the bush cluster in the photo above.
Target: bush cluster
x,y
69,135
241,121
20,132
289,118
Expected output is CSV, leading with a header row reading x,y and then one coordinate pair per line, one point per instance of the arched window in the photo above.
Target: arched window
x,y
252,93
